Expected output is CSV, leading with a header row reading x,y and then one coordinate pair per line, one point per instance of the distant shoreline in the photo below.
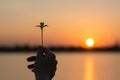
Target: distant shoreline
x,y
60,49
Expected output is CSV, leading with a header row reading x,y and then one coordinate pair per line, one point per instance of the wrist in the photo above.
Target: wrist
x,y
42,77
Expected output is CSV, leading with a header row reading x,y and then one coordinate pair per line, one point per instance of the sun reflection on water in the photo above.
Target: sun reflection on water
x,y
89,68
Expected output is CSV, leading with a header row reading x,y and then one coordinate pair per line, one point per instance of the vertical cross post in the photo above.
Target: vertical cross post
x,y
42,25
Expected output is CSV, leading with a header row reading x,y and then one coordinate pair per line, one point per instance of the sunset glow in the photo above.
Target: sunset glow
x,y
70,22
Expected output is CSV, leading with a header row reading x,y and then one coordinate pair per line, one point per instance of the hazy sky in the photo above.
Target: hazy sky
x,y
70,21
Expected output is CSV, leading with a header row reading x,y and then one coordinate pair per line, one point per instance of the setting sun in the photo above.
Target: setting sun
x,y
89,42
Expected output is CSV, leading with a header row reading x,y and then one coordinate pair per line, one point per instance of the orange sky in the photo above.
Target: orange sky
x,y
69,22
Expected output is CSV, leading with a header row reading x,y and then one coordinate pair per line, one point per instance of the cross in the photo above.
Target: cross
x,y
42,25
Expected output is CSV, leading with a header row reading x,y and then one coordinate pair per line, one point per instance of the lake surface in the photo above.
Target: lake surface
x,y
73,66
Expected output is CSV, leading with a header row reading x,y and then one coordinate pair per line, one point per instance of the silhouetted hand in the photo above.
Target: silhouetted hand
x,y
45,64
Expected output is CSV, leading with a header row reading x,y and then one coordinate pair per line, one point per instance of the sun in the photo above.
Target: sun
x,y
89,42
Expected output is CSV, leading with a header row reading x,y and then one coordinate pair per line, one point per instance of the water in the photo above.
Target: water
x,y
74,66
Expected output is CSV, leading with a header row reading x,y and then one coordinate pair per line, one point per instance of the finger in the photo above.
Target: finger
x,y
53,71
32,58
49,54
54,65
52,75
56,62
30,66
33,70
